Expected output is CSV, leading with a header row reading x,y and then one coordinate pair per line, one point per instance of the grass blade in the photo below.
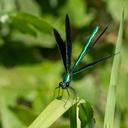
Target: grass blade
x,y
56,109
111,99
52,112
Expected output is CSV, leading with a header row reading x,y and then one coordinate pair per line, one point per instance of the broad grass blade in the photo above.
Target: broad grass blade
x,y
111,99
52,112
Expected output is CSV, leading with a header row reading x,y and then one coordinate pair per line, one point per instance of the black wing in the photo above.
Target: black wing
x,y
90,65
68,43
104,30
61,46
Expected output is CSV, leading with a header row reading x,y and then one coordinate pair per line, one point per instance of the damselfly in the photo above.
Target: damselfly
x,y
65,48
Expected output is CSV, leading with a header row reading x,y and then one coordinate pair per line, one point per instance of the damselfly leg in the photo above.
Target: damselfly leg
x,y
74,93
68,96
59,92
54,94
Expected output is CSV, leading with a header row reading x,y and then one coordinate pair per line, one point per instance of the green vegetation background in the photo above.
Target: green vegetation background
x,y
31,67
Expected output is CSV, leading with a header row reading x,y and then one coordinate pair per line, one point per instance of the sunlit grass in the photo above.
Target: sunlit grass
x,y
111,100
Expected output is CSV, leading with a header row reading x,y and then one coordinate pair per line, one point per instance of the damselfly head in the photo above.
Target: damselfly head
x,y
63,85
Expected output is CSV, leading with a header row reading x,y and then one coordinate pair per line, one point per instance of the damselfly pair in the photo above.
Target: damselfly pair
x,y
65,48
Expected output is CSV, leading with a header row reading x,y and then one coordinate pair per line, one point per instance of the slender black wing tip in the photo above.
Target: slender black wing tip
x,y
113,54
60,44
68,42
101,34
57,36
106,28
67,19
106,57
67,16
55,31
67,24
94,63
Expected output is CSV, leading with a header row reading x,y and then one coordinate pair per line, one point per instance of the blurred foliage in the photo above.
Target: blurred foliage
x,y
30,65
114,5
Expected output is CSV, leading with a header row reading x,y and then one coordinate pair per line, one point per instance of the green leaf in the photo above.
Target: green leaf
x,y
52,112
73,116
23,27
39,23
26,23
111,99
86,115
57,108
27,28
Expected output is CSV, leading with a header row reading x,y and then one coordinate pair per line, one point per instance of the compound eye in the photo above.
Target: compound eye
x,y
67,84
60,84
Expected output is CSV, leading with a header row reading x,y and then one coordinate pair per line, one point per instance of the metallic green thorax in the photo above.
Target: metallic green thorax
x,y
66,81
83,52
67,78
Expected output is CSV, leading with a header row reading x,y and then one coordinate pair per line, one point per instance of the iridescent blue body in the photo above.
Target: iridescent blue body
x,y
67,77
65,48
